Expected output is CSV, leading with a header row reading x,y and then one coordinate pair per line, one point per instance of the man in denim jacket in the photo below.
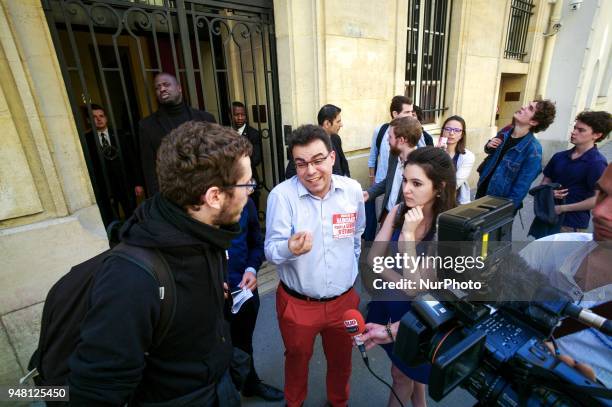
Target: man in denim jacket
x,y
516,157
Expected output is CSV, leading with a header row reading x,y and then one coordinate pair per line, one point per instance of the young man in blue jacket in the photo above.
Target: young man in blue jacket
x,y
516,159
245,256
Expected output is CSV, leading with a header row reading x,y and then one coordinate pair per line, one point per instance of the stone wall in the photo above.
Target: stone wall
x,y
48,217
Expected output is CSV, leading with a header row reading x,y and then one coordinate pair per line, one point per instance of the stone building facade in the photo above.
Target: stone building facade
x,y
352,53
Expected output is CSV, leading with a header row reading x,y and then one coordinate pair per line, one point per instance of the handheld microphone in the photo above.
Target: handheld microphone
x,y
355,325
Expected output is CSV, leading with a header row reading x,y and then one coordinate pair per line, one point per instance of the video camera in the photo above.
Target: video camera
x,y
497,352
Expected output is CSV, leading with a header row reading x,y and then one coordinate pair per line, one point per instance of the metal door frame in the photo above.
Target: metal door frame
x,y
259,13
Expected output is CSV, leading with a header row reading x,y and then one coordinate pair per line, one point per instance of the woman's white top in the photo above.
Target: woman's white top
x,y
465,162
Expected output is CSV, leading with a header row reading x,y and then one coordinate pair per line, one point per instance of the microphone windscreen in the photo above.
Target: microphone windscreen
x,y
353,322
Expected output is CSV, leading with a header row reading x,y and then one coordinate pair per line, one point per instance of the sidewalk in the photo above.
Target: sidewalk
x,y
365,389
19,336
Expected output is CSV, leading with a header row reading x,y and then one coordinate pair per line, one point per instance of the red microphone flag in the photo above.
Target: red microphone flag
x,y
353,322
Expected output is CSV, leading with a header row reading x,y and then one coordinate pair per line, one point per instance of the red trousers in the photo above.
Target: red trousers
x,y
300,321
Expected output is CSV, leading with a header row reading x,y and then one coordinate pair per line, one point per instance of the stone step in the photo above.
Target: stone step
x,y
267,278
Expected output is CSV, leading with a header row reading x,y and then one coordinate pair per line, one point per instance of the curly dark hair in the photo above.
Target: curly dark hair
x,y
306,134
439,168
544,114
197,156
600,122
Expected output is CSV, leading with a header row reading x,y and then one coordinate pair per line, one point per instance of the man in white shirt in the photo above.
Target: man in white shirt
x,y
404,135
401,106
579,264
313,235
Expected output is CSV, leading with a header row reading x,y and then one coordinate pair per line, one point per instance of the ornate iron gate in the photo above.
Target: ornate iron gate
x,y
220,51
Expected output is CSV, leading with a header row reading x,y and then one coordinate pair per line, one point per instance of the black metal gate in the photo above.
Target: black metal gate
x,y
220,51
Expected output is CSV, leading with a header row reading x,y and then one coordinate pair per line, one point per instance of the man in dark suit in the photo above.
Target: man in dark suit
x,y
118,180
152,129
244,258
330,119
239,122
404,135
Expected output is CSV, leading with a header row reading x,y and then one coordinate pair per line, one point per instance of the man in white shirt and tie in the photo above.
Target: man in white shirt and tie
x,y
115,173
313,234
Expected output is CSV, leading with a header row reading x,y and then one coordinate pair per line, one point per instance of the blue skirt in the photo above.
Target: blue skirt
x,y
381,312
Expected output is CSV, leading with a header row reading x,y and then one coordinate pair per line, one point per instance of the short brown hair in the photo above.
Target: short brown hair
x,y
398,102
197,156
544,115
599,122
408,128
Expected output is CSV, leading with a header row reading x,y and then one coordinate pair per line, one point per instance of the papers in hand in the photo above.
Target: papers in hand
x,y
240,297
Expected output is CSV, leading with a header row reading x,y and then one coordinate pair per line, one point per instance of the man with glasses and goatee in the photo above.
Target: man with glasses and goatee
x,y
313,235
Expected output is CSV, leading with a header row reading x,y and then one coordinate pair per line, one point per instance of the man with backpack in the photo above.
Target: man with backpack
x,y
401,106
404,136
204,177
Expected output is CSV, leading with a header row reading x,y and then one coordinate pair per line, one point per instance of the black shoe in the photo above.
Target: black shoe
x,y
263,391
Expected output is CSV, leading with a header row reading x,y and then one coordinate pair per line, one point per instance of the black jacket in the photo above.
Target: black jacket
x,y
340,157
546,221
341,166
255,139
428,139
115,172
109,365
152,129
115,163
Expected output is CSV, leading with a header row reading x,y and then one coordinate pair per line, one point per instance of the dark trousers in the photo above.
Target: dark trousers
x,y
117,194
255,196
371,222
242,327
109,206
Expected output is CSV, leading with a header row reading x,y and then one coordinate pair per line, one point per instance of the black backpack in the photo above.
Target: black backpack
x,y
379,137
67,304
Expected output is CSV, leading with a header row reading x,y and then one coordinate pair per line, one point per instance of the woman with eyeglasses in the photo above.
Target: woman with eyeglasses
x,y
428,188
453,139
